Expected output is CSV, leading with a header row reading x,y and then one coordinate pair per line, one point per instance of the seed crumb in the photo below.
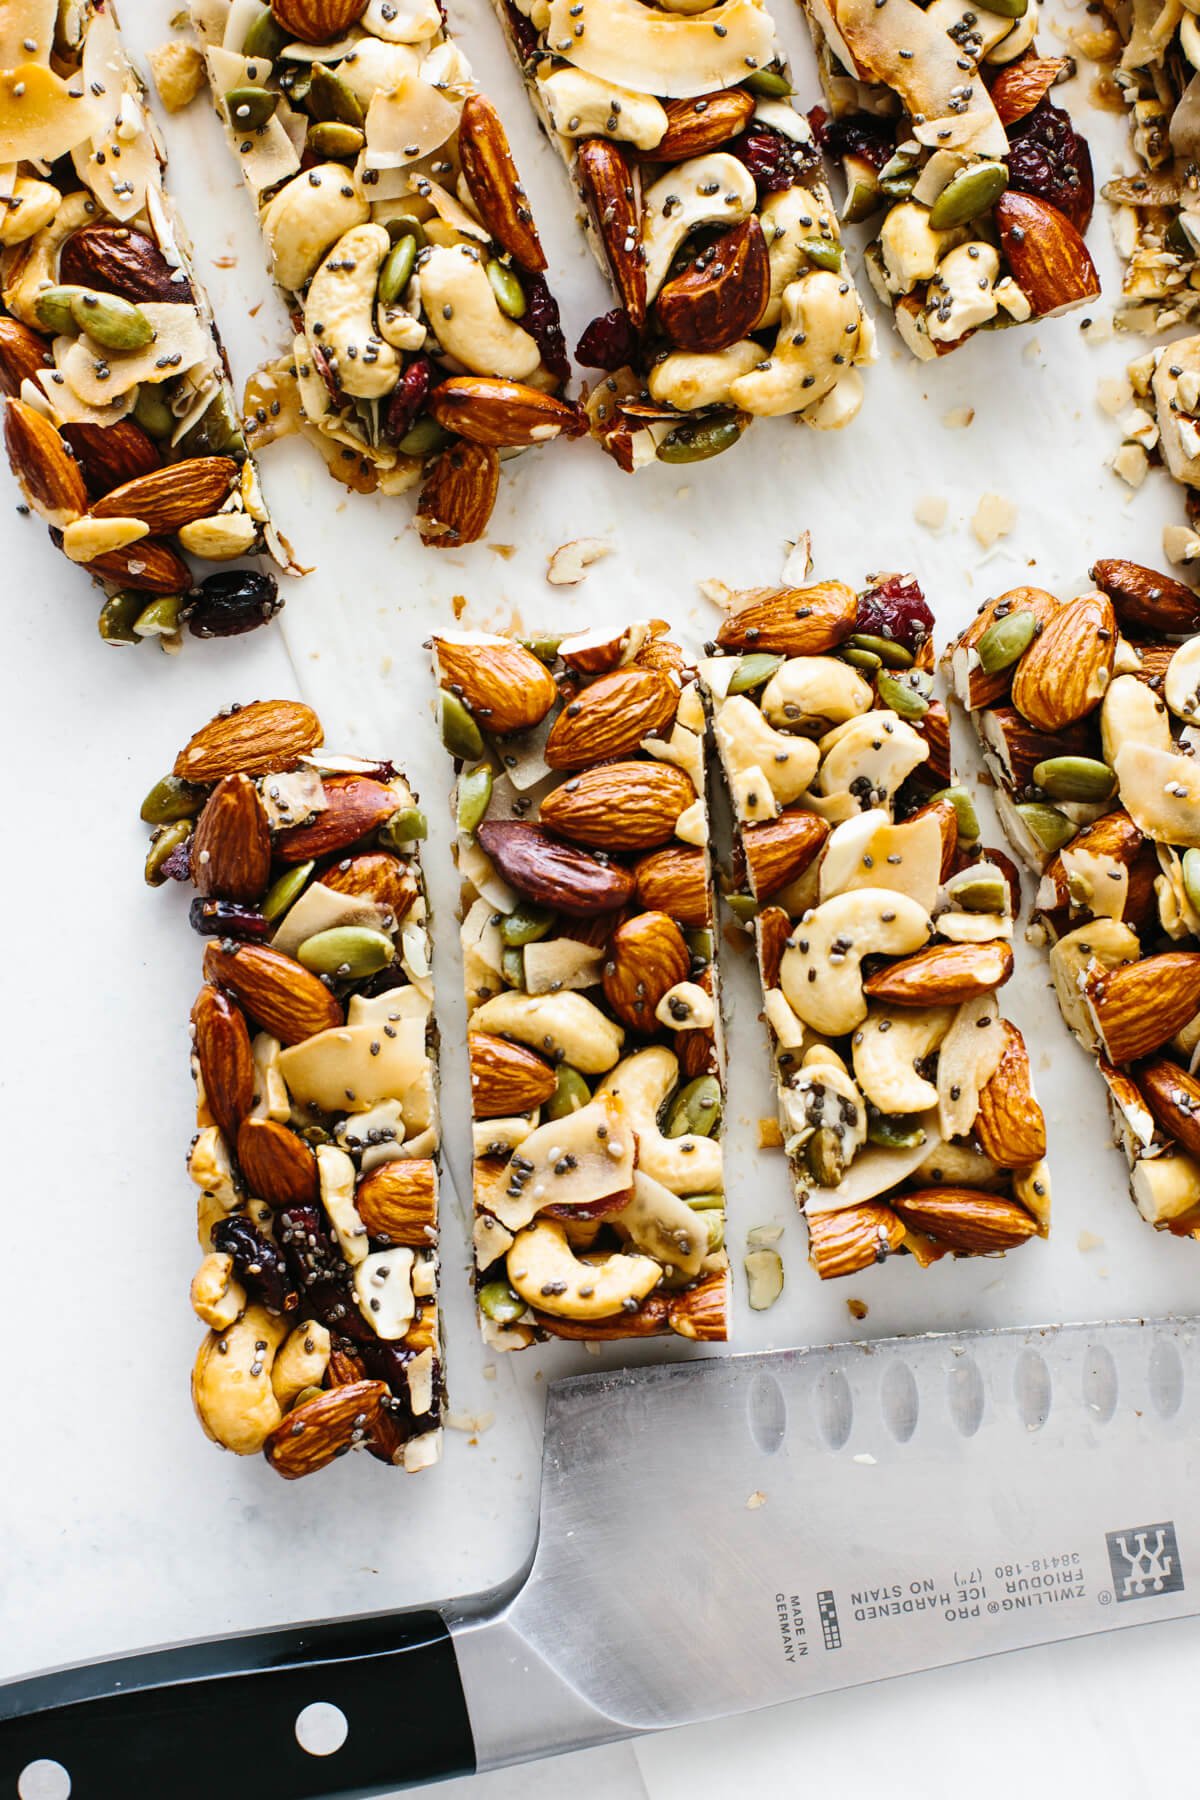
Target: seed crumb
x,y
770,1137
930,510
857,1309
958,418
993,519
757,1499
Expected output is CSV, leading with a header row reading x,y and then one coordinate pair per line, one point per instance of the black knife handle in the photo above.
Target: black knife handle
x,y
219,1718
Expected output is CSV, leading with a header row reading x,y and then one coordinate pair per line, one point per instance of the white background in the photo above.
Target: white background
x,y
121,1525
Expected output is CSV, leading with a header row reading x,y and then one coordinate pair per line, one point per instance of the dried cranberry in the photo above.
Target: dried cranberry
x,y
541,320
389,1363
776,162
319,1271
855,134
257,1263
178,865
522,31
609,342
896,609
1051,160
225,918
407,400
231,602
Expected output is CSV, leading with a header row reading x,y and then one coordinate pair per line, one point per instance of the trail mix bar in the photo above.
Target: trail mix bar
x,y
593,1014
707,206
119,419
426,338
1089,715
882,930
317,1126
942,118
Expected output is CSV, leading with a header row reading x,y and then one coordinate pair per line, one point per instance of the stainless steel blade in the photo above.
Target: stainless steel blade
x,y
727,1534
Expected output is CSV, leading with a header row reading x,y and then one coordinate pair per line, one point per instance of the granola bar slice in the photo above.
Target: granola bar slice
x,y
1088,714
593,1012
981,186
119,420
314,1054
707,207
427,340
882,930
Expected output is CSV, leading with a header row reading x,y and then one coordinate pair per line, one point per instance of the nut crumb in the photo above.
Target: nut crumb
x,y
178,70
770,1137
994,518
505,552
489,1371
719,592
474,1423
1132,464
959,418
930,511
569,564
458,605
1180,543
1097,331
797,564
757,1499
761,1235
857,1309
1088,1240
1113,394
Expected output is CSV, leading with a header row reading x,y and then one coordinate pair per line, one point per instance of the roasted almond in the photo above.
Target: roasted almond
x,y
934,727
661,652
781,849
947,819
458,496
318,21
312,1435
1145,600
397,1202
966,1219
700,1312
23,354
791,621
50,478
1064,672
1019,748
354,805
772,929
610,717
172,496
378,876
943,975
277,1166
1138,1006
1021,86
647,956
117,259
976,686
148,566
231,848
708,122
720,296
1009,1124
852,1239
1173,1097
283,997
422,1334
487,410
506,1078
619,806
559,876
606,183
112,454
495,185
650,1319
261,737
503,683
675,881
224,1059
1049,260
1115,838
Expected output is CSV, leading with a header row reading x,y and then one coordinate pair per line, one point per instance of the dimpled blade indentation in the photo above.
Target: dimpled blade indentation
x,y
1165,1377
833,1408
1101,1384
1032,1389
766,1413
899,1401
965,1394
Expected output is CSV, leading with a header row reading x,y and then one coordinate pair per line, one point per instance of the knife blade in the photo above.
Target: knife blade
x,y
715,1536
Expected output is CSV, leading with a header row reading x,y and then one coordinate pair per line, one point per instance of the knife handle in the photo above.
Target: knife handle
x,y
220,1718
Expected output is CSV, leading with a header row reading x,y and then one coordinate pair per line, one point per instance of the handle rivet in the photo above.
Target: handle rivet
x,y
321,1730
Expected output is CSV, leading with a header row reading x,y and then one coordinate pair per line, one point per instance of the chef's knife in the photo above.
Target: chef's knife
x,y
715,1536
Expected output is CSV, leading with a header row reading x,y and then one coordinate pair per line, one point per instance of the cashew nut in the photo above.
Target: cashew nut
x,y
339,313
211,1170
583,106
821,972
545,1273
642,1082
690,379
888,1046
1181,688
270,1090
1106,941
706,190
1164,1187
811,694
29,208
819,337
870,757
662,1225
564,1026
308,215
466,319
792,222
383,1288
36,265
336,1174
372,67
231,1382
959,1165
217,1299
822,1098
910,248
756,757
302,1362
961,296
686,1007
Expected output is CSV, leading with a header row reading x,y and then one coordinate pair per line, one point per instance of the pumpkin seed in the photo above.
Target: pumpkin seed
x,y
862,189
979,893
171,799
744,907
152,413
901,696
460,734
498,1303
752,671
510,295
403,828
696,443
764,1278
964,811
512,966
118,616
335,141
286,891
304,1396
526,924
858,658
250,108
397,269
1074,778
696,1109
54,308
772,84
714,1222
1049,827
474,793
544,648
114,323
700,943
218,432
898,177
1005,640
330,99
166,839
823,1157
161,617
266,37
1006,9
823,253
423,437
404,226
571,1093
705,1202
1190,876
967,194
891,654
351,951
894,1131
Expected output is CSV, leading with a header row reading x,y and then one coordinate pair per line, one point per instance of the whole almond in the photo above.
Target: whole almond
x,y
258,738
110,455
354,805
675,881
397,1202
378,876
494,183
224,1058
1173,1097
647,956
651,1319
119,260
487,410
506,1078
311,1436
852,1239
1049,260
791,621
505,686
149,566
772,929
1009,1124
1145,600
706,123
947,820
552,874
606,183
50,477
943,975
720,296
458,496
966,1219
23,354
1063,674
973,685
609,718
1138,1006
934,727
277,1166
283,997
231,847
318,21
169,497
781,849
619,806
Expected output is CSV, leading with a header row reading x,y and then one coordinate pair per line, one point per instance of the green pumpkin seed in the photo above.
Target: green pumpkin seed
x,y
398,266
304,1396
967,194
983,893
165,839
171,799
1190,876
1049,827
700,943
512,966
1006,9
218,432
823,1157
403,828
351,951
752,671
1005,640
696,443
330,99
544,648
898,177
161,617
112,322
423,437
964,811
571,1093
510,295
118,616
250,108
1177,240
152,413
715,1225
706,1202
314,1136
891,654
696,1109
898,693
744,907
823,253
284,893
266,36
894,1131
474,793
770,83
498,1303
335,142
54,308
526,924
1075,778
858,658
862,189
460,734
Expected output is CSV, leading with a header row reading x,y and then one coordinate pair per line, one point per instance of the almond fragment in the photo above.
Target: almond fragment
x,y
805,621
231,848
256,739
277,1165
283,997
23,354
495,184
378,876
607,185
701,1312
50,477
619,806
851,1239
397,1202
506,1078
1049,260
781,849
570,562
1173,1097
1023,85
610,717
773,928
1064,672
224,1059
354,805
458,496
966,1219
505,685
1009,1124
974,685
943,975
675,881
647,956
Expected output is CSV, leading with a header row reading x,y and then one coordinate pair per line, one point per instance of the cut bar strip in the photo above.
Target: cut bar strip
x,y
708,209
119,419
402,241
942,118
315,1064
1088,711
882,929
593,1013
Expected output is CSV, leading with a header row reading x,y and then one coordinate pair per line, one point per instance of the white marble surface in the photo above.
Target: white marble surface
x,y
121,1526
